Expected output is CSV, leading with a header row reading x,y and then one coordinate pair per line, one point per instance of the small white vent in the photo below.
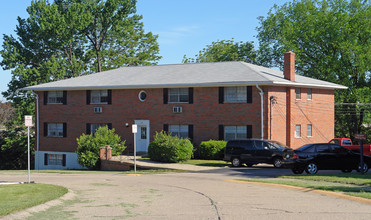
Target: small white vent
x,y
97,109
177,109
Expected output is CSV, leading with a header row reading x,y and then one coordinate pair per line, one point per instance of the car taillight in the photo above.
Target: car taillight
x,y
295,156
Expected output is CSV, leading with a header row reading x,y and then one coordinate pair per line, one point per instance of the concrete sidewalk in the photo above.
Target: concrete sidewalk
x,y
149,164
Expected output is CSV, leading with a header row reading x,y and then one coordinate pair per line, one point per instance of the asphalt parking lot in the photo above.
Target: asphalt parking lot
x,y
203,194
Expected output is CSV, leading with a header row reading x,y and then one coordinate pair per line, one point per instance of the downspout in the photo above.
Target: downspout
x,y
261,110
37,132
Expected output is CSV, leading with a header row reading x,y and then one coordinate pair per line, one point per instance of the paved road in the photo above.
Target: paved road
x,y
194,195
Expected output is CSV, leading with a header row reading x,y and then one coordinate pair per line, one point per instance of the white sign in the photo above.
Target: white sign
x,y
28,120
135,128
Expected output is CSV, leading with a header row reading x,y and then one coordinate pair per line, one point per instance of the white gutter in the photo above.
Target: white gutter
x,y
37,132
261,110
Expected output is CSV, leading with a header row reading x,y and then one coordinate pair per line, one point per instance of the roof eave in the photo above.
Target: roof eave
x,y
217,84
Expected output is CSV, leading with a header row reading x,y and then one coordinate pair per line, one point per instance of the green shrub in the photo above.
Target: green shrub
x,y
88,146
167,148
211,150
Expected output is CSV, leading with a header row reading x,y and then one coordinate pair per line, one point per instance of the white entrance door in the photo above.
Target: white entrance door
x,y
142,136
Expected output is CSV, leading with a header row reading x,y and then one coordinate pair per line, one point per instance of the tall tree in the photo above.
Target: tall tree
x,y
332,41
225,50
68,38
63,39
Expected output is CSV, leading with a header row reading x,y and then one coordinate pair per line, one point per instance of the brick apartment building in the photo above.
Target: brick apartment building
x,y
202,101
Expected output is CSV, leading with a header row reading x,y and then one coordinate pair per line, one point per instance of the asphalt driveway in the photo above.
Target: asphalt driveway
x,y
194,195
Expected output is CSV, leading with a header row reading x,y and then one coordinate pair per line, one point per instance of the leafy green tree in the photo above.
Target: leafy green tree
x,y
225,50
13,149
89,146
69,38
332,41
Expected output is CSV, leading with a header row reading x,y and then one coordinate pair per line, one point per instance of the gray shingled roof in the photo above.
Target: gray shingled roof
x,y
184,75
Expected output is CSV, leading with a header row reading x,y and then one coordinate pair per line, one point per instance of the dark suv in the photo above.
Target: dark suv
x,y
254,151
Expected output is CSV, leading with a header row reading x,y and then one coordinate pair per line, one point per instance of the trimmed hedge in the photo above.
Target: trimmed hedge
x,y
167,148
211,150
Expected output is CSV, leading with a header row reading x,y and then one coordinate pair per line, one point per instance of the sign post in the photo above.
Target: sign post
x,y
135,130
28,124
361,137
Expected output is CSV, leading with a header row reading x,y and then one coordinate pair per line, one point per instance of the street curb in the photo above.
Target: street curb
x,y
302,189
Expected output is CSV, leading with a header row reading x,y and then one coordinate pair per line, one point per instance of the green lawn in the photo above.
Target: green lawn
x,y
21,196
351,184
209,163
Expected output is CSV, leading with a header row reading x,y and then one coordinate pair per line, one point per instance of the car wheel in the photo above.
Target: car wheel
x,y
311,168
346,170
297,171
277,162
236,162
365,168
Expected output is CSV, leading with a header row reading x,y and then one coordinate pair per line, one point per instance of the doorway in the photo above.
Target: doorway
x,y
142,136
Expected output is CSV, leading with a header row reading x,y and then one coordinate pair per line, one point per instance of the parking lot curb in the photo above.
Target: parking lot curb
x,y
302,189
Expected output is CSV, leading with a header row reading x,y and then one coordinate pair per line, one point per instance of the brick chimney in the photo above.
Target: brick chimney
x,y
289,66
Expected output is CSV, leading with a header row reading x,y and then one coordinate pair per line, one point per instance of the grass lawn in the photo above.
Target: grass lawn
x,y
21,196
351,184
208,163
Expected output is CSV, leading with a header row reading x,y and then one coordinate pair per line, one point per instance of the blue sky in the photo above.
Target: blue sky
x,y
184,27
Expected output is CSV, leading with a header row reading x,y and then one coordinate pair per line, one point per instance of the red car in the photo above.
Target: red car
x,y
347,143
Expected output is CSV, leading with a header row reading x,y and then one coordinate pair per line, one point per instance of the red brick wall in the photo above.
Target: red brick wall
x,y
205,114
319,112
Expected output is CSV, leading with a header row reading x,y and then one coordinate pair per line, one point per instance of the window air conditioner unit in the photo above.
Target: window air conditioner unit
x,y
97,109
177,109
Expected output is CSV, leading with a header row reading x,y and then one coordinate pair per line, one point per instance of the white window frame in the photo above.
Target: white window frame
x,y
309,94
298,131
179,130
55,97
94,127
235,132
309,130
55,159
178,95
55,129
99,97
298,93
235,94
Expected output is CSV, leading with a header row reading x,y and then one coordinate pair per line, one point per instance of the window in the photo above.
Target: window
x,y
298,131
99,97
179,130
261,145
55,97
309,130
347,142
298,93
94,127
143,133
323,148
178,95
235,132
55,129
55,159
339,149
142,96
235,94
309,94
